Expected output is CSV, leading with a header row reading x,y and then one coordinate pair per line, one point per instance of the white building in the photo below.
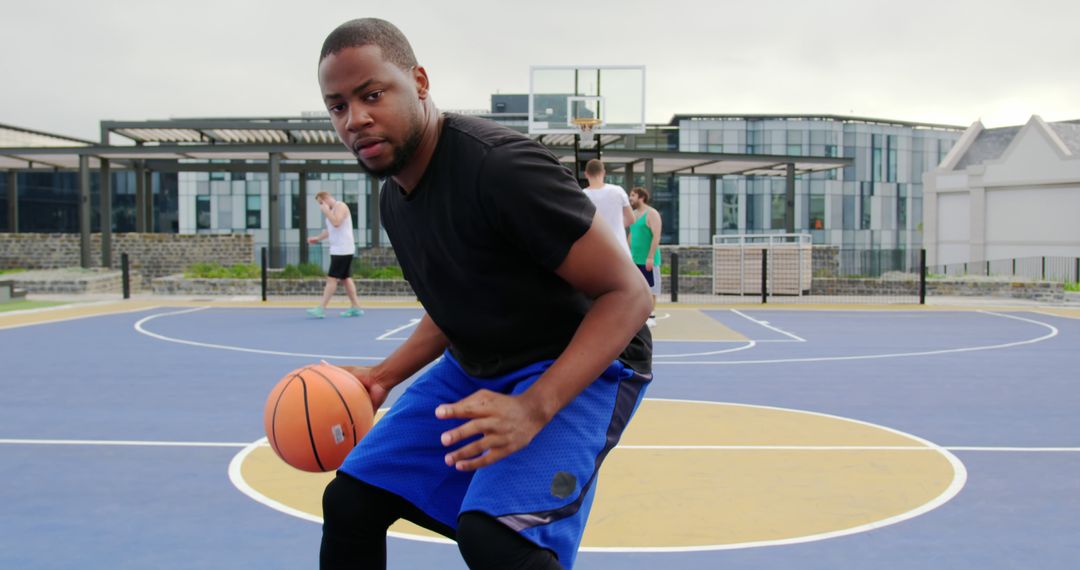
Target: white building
x,y
1005,193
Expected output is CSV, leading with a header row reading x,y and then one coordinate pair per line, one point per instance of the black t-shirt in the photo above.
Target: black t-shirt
x,y
479,240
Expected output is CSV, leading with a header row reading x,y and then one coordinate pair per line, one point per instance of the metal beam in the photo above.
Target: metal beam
x,y
105,213
13,201
693,166
712,207
789,199
140,198
302,228
275,211
148,202
84,212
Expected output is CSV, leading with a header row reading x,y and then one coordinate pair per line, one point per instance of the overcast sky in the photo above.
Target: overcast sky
x,y
66,65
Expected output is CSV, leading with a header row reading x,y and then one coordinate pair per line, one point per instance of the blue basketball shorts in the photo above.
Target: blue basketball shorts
x,y
543,491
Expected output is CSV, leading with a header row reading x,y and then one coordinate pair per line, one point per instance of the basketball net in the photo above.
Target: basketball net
x,y
586,126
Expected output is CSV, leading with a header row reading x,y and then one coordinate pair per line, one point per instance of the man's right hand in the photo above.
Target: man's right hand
x,y
376,391
313,240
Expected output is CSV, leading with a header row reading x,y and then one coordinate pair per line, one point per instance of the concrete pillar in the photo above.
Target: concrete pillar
x,y
977,228
275,210
105,215
84,211
13,201
649,175
628,176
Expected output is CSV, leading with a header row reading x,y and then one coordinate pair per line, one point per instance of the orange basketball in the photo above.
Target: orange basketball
x,y
315,415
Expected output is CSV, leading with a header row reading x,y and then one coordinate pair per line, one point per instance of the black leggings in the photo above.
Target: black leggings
x,y
356,516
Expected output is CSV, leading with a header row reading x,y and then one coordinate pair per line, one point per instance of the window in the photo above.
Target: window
x,y
794,142
866,193
730,206
817,212
890,146
714,140
778,209
755,213
253,212
202,212
876,163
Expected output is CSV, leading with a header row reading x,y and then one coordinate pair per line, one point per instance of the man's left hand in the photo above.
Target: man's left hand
x,y
505,424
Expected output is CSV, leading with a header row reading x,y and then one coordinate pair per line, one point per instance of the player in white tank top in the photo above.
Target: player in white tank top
x,y
339,233
611,201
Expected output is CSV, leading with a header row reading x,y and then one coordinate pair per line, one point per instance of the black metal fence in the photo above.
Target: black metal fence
x,y
1057,269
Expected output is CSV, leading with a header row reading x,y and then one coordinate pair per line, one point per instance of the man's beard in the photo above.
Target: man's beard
x,y
402,154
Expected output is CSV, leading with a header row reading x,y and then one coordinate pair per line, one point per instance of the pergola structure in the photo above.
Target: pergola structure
x,y
310,145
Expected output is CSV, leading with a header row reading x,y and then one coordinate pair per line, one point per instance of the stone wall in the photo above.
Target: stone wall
x,y
150,255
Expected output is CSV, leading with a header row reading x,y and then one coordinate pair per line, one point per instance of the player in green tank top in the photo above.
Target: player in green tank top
x,y
645,242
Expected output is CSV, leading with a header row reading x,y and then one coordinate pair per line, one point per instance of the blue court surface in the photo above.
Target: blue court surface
x,y
117,432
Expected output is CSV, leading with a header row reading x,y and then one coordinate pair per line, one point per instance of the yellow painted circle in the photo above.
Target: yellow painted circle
x,y
693,475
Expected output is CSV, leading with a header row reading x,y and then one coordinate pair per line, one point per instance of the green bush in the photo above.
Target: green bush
x,y
1073,287
214,270
3,271
362,270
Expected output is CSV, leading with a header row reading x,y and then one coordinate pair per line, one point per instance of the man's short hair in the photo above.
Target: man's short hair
x,y
322,195
642,193
392,43
594,167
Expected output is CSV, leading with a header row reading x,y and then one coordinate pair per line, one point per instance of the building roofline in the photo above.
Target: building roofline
x,y
843,118
7,127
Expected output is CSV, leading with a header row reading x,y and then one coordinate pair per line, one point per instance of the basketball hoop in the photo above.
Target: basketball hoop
x,y
586,126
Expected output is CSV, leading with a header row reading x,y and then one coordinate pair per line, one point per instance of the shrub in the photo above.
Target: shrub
x,y
214,270
1073,287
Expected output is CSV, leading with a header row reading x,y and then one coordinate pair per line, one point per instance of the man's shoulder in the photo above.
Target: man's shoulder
x,y
484,132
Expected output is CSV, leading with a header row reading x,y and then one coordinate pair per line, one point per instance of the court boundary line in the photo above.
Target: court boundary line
x,y
239,444
1053,333
140,329
954,488
767,325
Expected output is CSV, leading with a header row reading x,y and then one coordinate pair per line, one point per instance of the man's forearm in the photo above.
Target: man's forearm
x,y
607,329
424,345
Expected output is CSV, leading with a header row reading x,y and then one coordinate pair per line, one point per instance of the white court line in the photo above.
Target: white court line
x,y
1053,332
749,344
140,329
767,325
74,318
122,442
262,443
386,335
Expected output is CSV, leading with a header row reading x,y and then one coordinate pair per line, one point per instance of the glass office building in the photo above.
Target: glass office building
x,y
874,204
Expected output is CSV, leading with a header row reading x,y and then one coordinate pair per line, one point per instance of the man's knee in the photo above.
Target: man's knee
x,y
353,507
487,543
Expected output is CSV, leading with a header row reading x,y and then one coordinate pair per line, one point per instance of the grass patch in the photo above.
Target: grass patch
x,y
1073,287
10,271
23,304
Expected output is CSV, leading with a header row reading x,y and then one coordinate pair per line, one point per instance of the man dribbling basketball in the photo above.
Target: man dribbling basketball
x,y
537,317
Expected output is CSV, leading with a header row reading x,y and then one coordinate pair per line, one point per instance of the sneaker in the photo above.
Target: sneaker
x,y
316,312
353,312
650,322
